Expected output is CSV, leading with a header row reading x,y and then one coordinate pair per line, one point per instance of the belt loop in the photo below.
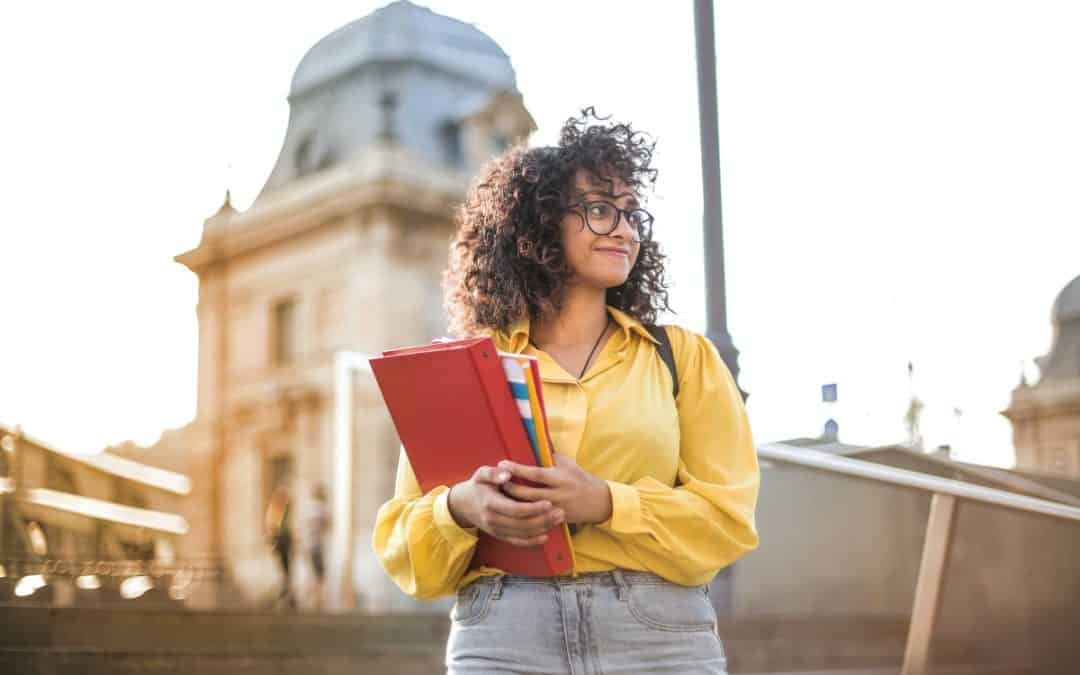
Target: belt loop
x,y
620,584
497,582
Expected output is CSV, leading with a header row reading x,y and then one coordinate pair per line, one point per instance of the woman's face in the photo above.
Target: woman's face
x,y
599,261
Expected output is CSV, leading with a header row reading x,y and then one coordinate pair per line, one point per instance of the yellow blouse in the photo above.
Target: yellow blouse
x,y
683,475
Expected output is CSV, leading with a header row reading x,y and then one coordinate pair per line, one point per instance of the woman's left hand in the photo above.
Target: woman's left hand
x,y
583,497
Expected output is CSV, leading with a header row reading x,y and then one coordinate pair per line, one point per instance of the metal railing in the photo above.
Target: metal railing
x,y
939,527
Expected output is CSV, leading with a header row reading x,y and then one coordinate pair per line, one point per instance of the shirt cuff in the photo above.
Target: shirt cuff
x,y
444,520
625,509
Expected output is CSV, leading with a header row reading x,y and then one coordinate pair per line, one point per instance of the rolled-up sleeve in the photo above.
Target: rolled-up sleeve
x,y
417,540
687,533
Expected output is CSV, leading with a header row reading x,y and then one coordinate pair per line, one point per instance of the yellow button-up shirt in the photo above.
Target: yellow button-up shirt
x,y
683,474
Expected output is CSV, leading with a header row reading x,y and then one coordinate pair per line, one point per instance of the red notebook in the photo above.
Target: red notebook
x,y
453,410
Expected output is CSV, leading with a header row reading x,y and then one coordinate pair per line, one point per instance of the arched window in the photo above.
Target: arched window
x,y
452,144
305,160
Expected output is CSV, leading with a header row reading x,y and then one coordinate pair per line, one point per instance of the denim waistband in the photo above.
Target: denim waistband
x,y
620,579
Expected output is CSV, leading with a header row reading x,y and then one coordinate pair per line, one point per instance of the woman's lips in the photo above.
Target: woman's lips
x,y
614,252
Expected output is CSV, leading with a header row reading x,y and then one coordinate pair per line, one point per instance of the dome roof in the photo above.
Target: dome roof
x,y
1063,361
1067,305
403,31
399,77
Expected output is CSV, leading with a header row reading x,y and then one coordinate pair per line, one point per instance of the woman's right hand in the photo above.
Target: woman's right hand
x,y
480,502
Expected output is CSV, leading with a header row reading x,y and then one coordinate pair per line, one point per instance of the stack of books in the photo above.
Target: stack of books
x,y
461,405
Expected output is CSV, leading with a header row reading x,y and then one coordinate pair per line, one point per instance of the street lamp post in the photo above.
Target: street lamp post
x,y
715,294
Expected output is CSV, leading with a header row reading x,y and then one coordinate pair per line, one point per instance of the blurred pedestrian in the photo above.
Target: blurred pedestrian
x,y
315,527
279,531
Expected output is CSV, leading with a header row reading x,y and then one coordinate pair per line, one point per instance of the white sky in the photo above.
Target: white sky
x,y
900,183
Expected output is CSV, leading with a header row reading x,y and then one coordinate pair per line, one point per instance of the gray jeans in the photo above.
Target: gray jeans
x,y
596,624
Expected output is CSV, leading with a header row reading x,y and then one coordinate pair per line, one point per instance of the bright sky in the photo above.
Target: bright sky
x,y
899,183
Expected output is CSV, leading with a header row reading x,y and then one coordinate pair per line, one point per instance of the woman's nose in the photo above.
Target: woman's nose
x,y
623,229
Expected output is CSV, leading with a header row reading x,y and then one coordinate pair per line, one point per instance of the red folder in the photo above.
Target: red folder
x,y
453,410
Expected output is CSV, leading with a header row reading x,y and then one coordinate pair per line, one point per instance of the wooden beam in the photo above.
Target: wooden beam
x,y
935,558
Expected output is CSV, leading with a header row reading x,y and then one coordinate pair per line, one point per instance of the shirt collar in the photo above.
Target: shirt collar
x,y
630,325
518,334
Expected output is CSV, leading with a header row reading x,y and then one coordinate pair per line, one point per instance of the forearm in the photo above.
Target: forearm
x,y
685,534
421,546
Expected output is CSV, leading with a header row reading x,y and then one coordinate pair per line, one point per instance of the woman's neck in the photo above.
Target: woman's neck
x,y
582,317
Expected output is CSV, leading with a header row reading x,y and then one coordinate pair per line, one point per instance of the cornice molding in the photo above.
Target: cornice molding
x,y
386,176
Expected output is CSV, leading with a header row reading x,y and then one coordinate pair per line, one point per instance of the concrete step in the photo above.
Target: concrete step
x,y
92,640
953,670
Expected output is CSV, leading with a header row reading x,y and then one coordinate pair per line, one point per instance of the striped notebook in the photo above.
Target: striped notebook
x,y
523,375
516,367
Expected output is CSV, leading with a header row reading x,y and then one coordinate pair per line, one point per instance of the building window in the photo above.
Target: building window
x,y
305,158
277,477
279,472
59,478
283,333
128,495
452,144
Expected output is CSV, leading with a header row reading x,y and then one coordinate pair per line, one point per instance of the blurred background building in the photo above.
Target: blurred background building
x,y
390,117
1046,416
68,521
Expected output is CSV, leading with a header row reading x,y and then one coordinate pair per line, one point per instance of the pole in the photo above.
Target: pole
x,y
715,289
342,557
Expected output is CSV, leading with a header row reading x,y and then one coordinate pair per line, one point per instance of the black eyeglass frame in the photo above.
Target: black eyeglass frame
x,y
638,238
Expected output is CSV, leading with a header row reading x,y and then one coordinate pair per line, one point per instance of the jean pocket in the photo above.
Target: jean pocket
x,y
671,607
472,603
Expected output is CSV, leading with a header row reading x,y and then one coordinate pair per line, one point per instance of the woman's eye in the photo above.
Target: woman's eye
x,y
599,210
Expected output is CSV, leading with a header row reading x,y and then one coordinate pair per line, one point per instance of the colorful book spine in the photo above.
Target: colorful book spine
x,y
540,397
543,446
518,380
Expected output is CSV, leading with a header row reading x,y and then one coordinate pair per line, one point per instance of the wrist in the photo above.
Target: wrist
x,y
604,504
454,505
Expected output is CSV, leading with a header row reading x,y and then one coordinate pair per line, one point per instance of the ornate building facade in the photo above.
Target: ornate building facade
x,y
1046,416
343,249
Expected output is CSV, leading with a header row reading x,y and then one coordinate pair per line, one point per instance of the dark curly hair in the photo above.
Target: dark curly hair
x,y
507,259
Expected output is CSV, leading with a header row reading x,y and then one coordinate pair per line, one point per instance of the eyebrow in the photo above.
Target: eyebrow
x,y
634,203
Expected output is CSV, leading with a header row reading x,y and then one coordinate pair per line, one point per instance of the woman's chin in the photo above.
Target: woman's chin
x,y
600,282
610,281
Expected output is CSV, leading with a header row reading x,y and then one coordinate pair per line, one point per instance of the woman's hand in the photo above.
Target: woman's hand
x,y
479,502
583,497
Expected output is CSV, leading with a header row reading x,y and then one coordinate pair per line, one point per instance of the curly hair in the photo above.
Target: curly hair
x,y
507,259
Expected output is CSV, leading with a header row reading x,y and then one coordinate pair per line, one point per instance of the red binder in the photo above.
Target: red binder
x,y
453,410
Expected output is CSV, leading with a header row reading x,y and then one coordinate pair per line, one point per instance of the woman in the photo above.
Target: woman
x,y
554,257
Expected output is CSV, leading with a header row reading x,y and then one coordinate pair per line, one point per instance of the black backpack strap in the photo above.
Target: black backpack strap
x,y
661,335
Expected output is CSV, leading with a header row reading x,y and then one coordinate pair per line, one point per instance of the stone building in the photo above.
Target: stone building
x,y
343,249
65,516
1046,416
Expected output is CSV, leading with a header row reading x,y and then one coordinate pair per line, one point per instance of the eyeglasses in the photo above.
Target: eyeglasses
x,y
602,217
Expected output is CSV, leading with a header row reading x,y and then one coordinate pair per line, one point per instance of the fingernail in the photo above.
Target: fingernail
x,y
504,476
